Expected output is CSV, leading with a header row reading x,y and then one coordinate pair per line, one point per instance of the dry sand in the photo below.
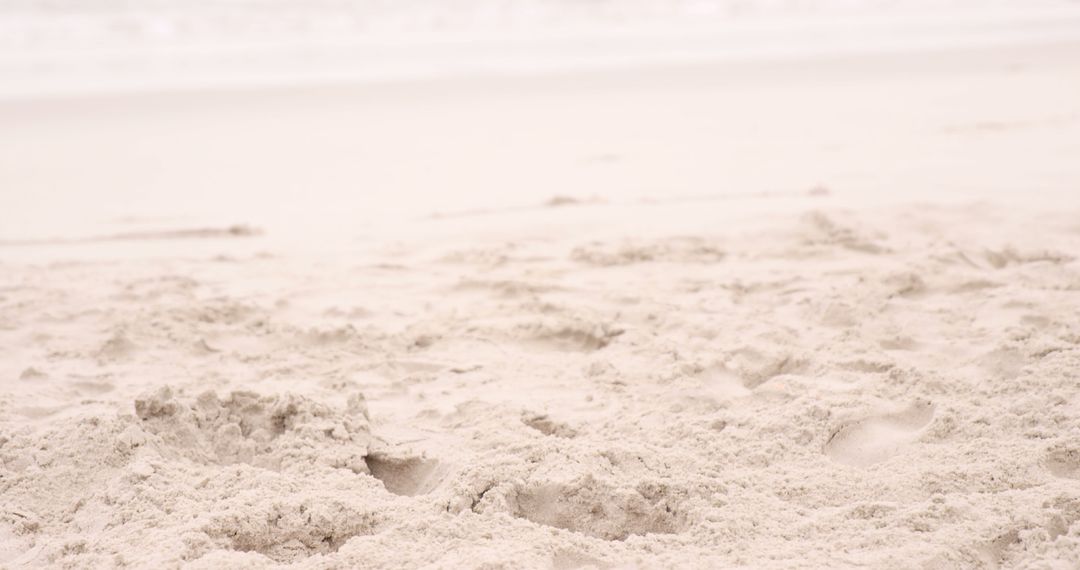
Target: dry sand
x,y
738,370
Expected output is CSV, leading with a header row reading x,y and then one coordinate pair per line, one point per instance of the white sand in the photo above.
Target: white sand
x,y
819,313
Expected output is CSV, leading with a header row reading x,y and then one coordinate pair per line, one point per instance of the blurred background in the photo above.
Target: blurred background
x,y
331,116
105,45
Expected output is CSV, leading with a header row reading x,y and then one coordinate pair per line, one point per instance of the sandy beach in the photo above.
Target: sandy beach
x,y
759,311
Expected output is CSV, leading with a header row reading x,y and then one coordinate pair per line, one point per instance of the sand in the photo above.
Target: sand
x,y
785,314
891,388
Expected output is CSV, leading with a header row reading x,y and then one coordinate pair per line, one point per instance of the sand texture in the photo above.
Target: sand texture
x,y
823,387
283,288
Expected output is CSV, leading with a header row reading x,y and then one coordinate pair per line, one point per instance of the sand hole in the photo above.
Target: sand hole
x,y
594,509
408,476
878,438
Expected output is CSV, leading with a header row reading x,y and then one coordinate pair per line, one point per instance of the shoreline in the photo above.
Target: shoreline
x,y
384,153
34,72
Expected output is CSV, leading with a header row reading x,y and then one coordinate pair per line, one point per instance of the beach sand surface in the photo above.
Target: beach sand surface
x,y
769,313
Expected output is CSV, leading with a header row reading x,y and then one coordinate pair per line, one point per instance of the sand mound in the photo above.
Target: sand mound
x,y
246,473
272,432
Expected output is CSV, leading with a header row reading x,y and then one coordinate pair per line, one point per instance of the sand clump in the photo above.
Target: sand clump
x,y
245,472
278,433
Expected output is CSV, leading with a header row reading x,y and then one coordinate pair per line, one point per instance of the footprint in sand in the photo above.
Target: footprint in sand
x,y
407,475
877,438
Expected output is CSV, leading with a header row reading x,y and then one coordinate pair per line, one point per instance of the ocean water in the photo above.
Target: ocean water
x,y
70,46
